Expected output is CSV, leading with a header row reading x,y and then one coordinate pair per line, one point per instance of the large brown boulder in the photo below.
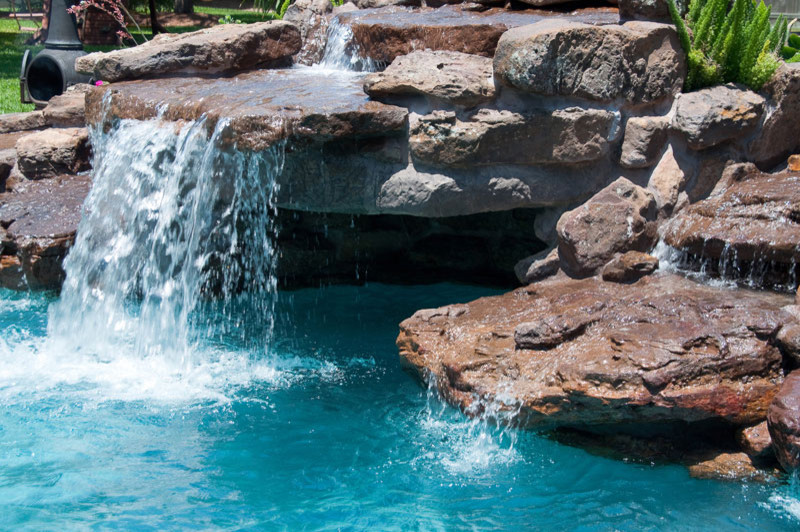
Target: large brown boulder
x,y
619,218
783,420
753,220
492,137
41,219
454,77
711,116
585,353
52,152
639,62
220,48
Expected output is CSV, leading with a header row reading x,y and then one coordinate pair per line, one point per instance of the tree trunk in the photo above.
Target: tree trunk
x,y
40,35
184,7
154,23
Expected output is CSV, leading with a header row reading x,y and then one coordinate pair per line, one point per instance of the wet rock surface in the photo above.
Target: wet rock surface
x,y
711,116
66,110
731,467
579,353
619,218
566,136
754,220
537,267
629,267
639,62
311,18
39,221
783,420
52,152
220,48
755,441
301,105
454,77
384,34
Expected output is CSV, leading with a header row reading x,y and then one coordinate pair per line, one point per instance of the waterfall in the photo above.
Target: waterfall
x,y
341,53
175,246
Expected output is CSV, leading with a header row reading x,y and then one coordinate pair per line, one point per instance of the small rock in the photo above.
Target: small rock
x,y
711,116
788,340
630,267
729,466
794,163
8,158
455,77
537,267
66,110
311,18
783,420
639,62
54,151
12,275
667,181
619,218
22,121
644,139
755,440
219,48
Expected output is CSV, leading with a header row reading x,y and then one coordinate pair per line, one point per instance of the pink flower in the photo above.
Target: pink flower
x,y
98,83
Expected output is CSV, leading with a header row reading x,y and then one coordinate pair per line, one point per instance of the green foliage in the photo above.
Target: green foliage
x,y
275,7
729,43
228,19
337,3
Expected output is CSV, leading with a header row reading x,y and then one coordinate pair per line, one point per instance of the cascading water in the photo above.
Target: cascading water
x,y
341,53
175,247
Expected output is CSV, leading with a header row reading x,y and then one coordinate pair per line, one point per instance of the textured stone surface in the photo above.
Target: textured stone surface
x,y
783,420
66,110
629,267
639,62
788,340
455,77
667,181
780,133
491,137
8,158
755,440
22,121
537,267
586,352
711,116
755,218
311,18
644,140
53,151
730,467
41,218
655,10
384,34
219,48
617,219
794,163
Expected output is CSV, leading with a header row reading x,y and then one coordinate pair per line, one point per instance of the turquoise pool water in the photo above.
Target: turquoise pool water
x,y
323,432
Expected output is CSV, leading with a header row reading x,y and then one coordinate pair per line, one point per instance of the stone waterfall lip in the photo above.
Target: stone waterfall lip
x,y
382,34
301,104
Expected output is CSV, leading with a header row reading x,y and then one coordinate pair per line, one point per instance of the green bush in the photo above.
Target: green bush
x,y
729,44
791,52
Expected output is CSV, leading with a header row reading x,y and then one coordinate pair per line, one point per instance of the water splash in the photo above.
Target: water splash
x,y
342,53
728,270
469,445
175,248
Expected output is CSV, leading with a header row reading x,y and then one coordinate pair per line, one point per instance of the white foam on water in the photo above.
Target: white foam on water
x,y
341,53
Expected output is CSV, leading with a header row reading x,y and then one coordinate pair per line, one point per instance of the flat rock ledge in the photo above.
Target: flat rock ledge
x,y
220,48
584,353
750,228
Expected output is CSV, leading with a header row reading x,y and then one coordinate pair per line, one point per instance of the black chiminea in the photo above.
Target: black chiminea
x,y
53,69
